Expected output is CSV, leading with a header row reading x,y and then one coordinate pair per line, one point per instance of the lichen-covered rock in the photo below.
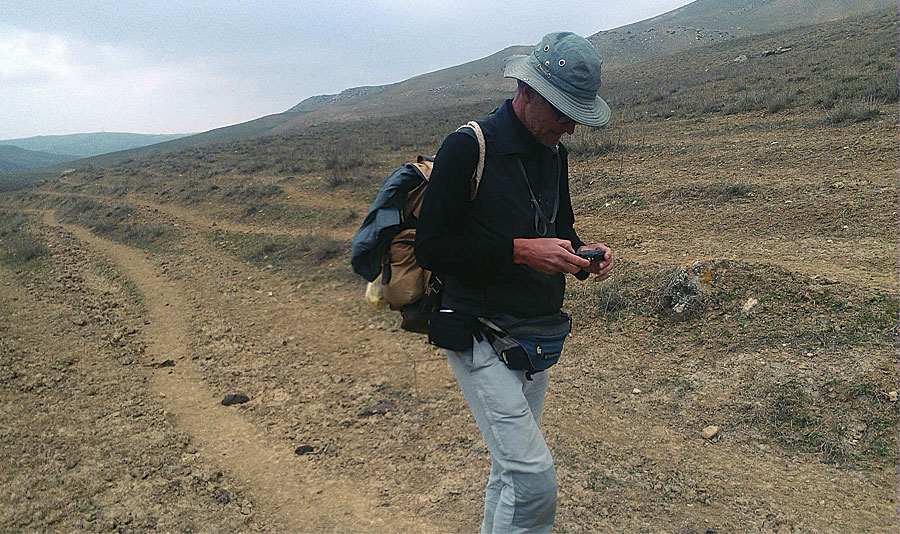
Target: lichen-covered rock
x,y
683,296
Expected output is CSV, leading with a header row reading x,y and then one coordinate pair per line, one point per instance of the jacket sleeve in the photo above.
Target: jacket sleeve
x,y
442,243
565,219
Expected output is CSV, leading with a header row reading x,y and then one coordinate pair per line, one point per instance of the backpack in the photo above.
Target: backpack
x,y
383,248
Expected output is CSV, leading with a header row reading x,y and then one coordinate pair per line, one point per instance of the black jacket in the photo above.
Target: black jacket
x,y
471,243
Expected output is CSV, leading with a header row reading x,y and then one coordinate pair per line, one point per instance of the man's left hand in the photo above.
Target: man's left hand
x,y
600,268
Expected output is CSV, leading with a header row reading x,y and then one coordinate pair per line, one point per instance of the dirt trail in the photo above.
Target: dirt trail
x,y
269,471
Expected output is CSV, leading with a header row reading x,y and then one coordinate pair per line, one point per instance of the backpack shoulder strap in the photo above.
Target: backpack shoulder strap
x,y
479,168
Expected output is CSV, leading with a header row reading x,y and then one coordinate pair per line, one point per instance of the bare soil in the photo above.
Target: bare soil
x,y
115,357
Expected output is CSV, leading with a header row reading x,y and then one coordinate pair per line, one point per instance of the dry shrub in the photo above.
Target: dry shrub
x,y
588,142
17,245
858,110
342,158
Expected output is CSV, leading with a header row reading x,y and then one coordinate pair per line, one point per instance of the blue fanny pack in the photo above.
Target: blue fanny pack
x,y
531,344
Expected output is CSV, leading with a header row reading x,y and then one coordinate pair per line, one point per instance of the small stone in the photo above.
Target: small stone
x,y
636,391
749,305
381,408
304,449
892,396
710,432
838,185
235,398
222,495
167,363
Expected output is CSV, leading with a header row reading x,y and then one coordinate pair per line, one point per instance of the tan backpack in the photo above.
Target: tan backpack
x,y
405,286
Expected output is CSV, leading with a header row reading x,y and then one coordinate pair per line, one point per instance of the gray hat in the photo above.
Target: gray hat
x,y
565,69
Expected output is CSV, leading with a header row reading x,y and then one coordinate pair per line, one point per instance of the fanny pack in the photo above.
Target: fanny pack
x,y
532,344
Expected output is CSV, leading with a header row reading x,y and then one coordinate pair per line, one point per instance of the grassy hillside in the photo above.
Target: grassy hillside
x,y
744,17
706,22
473,82
13,158
816,70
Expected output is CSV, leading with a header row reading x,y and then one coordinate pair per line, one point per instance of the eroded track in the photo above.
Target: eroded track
x,y
288,499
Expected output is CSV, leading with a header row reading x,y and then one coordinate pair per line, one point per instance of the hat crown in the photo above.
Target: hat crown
x,y
569,62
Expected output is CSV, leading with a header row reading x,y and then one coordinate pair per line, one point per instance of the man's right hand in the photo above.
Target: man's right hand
x,y
548,255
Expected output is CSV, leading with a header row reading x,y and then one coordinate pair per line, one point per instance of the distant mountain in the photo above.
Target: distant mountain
x,y
13,158
88,144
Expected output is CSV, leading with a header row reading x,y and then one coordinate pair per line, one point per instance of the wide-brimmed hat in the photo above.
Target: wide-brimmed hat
x,y
565,69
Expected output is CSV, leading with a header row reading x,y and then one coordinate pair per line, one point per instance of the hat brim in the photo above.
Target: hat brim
x,y
590,112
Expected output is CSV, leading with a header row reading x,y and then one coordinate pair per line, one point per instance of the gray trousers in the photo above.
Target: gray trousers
x,y
521,489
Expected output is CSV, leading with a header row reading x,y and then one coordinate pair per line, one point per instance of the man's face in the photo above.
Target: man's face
x,y
545,122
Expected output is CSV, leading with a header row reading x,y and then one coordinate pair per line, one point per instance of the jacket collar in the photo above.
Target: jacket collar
x,y
512,136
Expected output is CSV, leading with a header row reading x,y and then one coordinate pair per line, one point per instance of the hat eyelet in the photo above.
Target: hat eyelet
x,y
547,63
546,48
562,62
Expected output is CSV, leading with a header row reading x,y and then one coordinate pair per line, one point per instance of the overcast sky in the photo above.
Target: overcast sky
x,y
160,66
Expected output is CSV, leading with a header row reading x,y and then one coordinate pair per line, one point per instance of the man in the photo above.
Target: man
x,y
506,252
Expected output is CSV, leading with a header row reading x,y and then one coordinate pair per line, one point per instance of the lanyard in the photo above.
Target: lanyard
x,y
541,222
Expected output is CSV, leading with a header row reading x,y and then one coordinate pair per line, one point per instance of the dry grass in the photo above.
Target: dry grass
x,y
18,246
303,257
119,222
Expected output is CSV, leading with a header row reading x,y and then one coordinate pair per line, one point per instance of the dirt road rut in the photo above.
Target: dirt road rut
x,y
286,498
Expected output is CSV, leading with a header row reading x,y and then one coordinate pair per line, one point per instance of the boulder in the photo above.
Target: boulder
x,y
684,293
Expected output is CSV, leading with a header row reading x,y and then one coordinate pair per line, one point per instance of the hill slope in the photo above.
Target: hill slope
x,y
83,145
13,158
712,21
